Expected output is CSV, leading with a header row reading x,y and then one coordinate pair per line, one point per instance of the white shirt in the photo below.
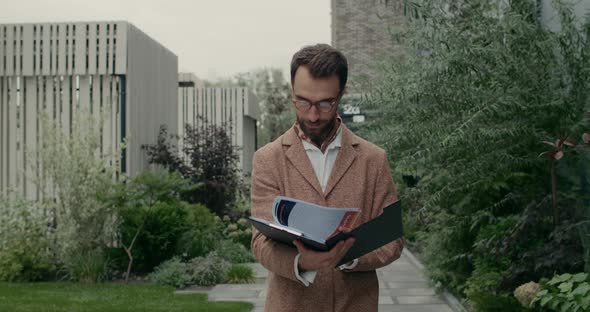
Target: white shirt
x,y
322,164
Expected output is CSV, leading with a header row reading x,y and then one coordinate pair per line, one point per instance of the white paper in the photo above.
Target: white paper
x,y
316,222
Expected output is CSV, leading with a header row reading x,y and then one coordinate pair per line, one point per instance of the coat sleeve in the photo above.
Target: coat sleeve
x,y
275,257
384,194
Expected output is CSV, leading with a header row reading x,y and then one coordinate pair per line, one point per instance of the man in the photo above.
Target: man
x,y
320,161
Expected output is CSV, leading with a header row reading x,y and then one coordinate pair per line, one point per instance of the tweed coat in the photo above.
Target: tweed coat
x,y
361,179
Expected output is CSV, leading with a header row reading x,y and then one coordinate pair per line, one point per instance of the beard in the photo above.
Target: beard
x,y
319,135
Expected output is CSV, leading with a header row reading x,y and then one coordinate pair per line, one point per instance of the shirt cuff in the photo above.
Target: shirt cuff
x,y
307,277
349,266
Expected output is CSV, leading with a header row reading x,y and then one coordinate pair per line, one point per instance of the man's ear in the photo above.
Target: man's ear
x,y
339,96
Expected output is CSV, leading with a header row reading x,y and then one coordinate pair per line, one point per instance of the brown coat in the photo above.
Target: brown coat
x,y
360,178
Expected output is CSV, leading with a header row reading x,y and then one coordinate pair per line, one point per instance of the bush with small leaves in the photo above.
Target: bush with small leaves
x,y
238,231
172,272
91,266
240,274
209,270
204,230
234,252
25,253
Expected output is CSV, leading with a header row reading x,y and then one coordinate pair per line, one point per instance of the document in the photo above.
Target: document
x,y
317,226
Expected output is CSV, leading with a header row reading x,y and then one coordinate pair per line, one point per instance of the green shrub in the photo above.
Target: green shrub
x,y
446,254
483,287
565,293
240,274
239,231
163,228
161,233
173,273
25,253
152,218
233,252
78,176
88,266
463,108
203,232
208,157
25,262
209,270
411,226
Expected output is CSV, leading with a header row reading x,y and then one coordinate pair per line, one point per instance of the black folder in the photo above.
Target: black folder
x,y
368,236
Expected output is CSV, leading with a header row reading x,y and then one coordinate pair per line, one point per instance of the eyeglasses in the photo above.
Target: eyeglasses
x,y
322,106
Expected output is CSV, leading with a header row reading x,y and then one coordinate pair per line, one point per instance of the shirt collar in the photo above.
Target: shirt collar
x,y
334,137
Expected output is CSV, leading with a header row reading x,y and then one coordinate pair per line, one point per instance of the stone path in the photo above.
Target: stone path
x,y
402,288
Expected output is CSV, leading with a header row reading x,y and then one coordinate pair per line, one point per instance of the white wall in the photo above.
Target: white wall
x,y
151,95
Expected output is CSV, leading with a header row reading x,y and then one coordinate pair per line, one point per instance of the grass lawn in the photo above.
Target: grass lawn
x,y
105,297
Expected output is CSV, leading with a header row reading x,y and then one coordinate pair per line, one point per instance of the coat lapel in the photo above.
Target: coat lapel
x,y
344,160
297,156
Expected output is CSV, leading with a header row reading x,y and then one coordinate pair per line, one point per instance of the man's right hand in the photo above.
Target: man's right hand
x,y
311,260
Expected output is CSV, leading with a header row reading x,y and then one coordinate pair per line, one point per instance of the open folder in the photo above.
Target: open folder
x,y
317,226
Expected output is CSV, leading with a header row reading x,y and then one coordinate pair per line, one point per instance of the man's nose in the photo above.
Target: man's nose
x,y
313,114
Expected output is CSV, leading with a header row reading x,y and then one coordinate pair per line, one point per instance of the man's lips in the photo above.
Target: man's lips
x,y
312,125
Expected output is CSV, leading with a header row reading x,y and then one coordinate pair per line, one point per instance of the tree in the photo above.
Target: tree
x,y
274,96
480,84
74,175
479,87
208,158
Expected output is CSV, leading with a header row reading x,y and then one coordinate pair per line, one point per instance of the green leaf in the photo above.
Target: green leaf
x,y
585,302
559,279
542,293
567,306
580,277
545,300
581,290
566,287
554,304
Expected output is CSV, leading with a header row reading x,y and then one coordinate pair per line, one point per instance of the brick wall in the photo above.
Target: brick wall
x,y
361,30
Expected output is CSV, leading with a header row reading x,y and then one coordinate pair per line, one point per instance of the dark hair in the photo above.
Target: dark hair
x,y
322,60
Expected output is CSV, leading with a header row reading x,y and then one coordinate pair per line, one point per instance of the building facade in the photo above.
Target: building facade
x,y
57,69
234,108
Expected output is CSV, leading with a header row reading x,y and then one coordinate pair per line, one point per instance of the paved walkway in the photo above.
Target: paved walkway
x,y
402,288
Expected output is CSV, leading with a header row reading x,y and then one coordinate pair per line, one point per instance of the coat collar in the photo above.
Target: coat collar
x,y
297,156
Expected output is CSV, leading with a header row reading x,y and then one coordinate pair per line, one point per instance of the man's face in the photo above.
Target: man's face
x,y
314,123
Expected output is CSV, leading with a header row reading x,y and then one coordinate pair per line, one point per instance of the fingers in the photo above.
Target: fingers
x,y
335,251
343,245
340,251
327,259
344,229
347,245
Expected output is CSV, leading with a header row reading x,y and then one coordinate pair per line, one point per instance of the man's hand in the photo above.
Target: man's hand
x,y
311,260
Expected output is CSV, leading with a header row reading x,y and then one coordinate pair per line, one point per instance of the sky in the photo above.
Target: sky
x,y
212,38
